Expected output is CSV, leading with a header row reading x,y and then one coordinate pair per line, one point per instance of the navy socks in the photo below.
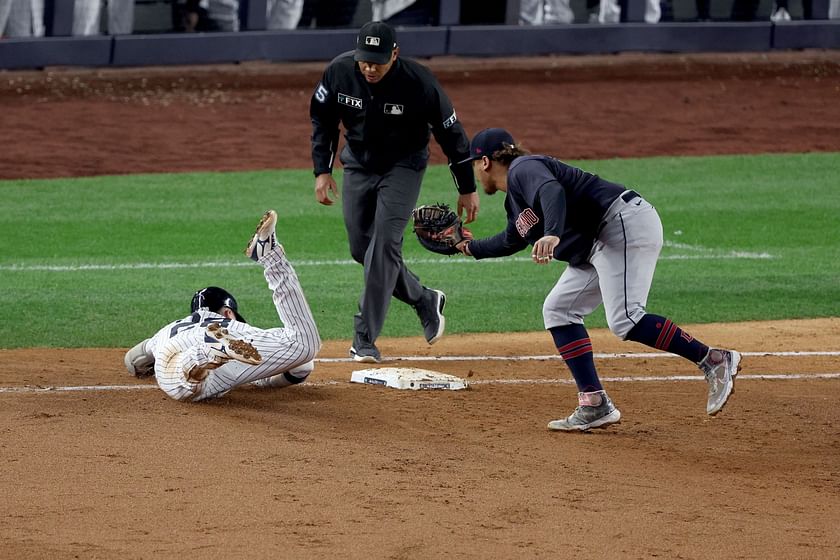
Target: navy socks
x,y
659,332
573,344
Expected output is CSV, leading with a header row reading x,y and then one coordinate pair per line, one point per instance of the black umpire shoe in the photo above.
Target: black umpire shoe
x,y
364,351
430,311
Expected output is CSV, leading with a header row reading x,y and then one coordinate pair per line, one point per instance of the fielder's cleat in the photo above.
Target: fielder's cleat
x,y
265,238
364,351
720,368
588,415
222,347
430,311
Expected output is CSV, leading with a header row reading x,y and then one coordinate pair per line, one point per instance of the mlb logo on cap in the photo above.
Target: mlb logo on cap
x,y
375,43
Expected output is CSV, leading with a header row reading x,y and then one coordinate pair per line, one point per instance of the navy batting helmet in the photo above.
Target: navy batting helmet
x,y
214,298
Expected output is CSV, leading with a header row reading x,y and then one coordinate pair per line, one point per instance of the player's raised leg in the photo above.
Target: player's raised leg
x,y
298,342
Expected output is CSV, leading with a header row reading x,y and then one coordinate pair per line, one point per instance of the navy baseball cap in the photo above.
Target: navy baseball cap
x,y
214,298
488,141
375,43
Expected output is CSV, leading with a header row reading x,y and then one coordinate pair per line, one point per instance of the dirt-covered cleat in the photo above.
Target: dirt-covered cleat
x,y
223,347
265,238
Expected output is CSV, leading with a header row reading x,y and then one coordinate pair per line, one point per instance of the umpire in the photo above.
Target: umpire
x,y
388,105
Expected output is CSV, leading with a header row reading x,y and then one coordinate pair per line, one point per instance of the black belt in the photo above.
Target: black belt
x,y
629,195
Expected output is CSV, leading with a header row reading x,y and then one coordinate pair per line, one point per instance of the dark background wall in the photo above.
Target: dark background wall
x,y
463,28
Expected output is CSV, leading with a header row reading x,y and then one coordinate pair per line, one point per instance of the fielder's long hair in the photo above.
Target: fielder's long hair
x,y
508,153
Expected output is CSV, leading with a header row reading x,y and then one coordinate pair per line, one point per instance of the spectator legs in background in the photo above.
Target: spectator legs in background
x,y
559,11
283,14
539,12
744,10
21,18
5,10
120,17
780,12
704,10
224,13
653,11
86,17
609,11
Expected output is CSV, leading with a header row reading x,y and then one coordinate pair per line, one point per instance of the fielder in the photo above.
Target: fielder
x,y
214,349
611,238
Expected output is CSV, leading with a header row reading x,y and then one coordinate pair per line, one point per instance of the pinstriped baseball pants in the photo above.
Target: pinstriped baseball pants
x,y
179,346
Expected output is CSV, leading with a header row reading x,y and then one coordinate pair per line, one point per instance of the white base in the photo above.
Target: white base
x,y
408,378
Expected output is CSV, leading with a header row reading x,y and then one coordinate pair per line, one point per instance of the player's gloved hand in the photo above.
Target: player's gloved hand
x,y
439,229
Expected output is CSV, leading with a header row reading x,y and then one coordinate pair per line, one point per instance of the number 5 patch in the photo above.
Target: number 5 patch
x,y
321,93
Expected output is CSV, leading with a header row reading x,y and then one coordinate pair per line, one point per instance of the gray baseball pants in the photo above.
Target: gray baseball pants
x,y
377,208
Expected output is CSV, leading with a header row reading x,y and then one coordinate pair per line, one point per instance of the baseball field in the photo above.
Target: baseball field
x,y
126,190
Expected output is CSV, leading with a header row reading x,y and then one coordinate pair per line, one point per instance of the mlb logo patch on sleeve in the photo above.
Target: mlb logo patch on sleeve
x,y
394,109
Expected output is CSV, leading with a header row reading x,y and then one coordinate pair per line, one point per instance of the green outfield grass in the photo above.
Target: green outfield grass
x,y
105,261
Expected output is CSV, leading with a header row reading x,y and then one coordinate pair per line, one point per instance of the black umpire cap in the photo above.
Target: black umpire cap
x,y
214,298
488,141
375,43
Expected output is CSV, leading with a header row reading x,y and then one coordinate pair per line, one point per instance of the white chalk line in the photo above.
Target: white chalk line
x,y
705,254
624,379
671,378
603,355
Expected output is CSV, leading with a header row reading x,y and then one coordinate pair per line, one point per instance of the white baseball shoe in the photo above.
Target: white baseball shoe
x,y
265,238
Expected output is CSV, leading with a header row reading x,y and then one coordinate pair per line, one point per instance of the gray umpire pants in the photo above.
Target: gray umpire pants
x,y
377,208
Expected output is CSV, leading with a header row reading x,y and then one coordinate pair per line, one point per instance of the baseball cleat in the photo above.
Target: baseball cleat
x,y
720,368
265,238
222,347
430,311
586,416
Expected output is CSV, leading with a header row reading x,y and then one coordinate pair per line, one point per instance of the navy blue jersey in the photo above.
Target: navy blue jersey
x,y
548,197
386,122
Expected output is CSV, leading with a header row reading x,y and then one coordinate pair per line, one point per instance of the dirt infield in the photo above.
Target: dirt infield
x,y
331,469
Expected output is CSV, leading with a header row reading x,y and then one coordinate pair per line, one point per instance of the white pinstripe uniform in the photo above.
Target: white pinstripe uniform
x,y
180,345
